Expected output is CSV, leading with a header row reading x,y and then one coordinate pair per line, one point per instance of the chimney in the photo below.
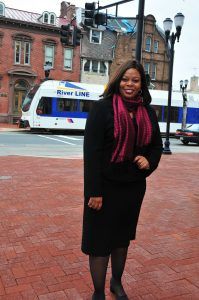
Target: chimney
x,y
67,10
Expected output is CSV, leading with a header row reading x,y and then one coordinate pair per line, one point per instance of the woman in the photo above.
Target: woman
x,y
122,146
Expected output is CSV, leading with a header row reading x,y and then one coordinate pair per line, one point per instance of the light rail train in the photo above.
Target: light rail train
x,y
64,105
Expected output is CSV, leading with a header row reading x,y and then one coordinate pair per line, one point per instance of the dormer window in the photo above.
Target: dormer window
x,y
2,9
52,18
49,18
45,17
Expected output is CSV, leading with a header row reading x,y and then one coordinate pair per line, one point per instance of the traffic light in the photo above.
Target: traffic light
x,y
100,19
89,14
66,35
77,34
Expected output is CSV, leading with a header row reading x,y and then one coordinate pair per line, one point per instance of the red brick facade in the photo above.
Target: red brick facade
x,y
16,79
126,48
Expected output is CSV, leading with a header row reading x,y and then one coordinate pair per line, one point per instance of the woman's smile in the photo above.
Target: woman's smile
x,y
130,84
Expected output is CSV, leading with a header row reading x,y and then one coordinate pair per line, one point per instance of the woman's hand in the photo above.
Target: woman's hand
x,y
142,162
95,203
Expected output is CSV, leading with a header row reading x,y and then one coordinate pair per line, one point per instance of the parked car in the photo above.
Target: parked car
x,y
190,134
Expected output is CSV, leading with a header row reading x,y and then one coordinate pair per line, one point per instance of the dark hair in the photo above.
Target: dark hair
x,y
114,82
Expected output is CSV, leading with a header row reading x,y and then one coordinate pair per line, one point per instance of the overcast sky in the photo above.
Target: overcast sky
x,y
186,61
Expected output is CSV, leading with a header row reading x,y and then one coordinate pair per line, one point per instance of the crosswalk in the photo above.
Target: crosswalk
x,y
64,139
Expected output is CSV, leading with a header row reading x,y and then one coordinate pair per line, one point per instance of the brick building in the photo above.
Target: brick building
x,y
104,48
154,51
29,41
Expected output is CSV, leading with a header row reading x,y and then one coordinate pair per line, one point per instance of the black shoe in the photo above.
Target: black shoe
x,y
98,296
118,290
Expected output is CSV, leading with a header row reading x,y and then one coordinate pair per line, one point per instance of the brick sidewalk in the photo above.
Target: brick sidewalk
x,y
40,232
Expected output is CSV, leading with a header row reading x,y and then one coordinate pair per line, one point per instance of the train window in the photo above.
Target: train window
x,y
29,97
173,114
85,105
44,106
67,105
158,110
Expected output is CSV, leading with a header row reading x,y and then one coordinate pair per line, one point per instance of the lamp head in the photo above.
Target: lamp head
x,y
179,21
186,83
167,24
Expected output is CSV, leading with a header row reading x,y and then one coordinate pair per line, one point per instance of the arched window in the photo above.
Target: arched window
x,y
2,9
52,19
148,44
45,17
21,85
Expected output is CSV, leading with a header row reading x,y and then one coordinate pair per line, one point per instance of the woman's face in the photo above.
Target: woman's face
x,y
130,84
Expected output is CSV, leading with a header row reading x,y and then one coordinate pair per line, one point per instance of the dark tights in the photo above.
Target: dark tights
x,y
98,268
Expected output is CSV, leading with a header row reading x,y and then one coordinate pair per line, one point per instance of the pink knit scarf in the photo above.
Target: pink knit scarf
x,y
124,129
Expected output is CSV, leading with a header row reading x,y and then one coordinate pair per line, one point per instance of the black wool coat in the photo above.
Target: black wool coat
x,y
99,145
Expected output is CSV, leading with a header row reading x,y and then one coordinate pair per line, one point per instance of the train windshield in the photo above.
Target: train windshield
x,y
28,99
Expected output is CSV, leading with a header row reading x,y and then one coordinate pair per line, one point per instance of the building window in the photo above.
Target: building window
x,y
95,36
87,66
45,17
48,18
52,19
2,9
102,67
147,67
17,52
68,58
156,44
148,44
26,53
49,55
22,49
94,66
153,72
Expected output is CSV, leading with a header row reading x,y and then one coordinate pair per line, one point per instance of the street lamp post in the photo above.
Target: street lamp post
x,y
171,37
183,87
140,17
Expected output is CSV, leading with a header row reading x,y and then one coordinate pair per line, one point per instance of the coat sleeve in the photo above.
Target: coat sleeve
x,y
93,151
156,147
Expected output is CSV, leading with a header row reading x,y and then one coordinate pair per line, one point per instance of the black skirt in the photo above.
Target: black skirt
x,y
114,225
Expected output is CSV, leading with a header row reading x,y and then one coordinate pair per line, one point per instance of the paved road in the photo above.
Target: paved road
x,y
58,145
40,145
